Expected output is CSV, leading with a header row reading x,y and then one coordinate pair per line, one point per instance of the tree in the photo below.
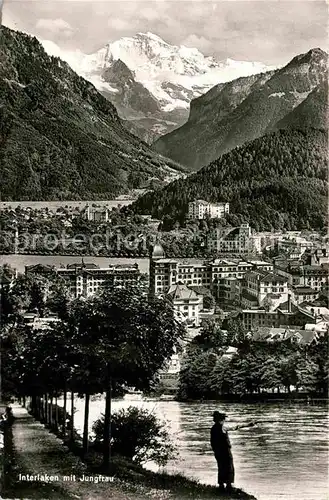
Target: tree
x,y
195,378
270,373
238,334
130,338
208,301
221,378
211,336
268,304
137,435
306,371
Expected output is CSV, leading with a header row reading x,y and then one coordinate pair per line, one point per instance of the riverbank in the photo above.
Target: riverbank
x,y
293,397
43,467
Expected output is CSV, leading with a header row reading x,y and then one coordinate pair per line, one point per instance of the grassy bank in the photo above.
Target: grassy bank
x,y
35,449
174,486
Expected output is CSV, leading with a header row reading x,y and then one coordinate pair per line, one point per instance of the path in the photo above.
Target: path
x,y
37,451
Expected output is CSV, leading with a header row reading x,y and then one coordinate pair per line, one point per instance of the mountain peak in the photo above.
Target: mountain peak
x,y
151,36
317,51
315,55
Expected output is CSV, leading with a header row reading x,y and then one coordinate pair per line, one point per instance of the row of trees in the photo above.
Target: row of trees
x,y
113,340
208,372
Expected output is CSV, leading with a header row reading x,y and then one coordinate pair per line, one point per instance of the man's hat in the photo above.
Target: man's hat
x,y
219,416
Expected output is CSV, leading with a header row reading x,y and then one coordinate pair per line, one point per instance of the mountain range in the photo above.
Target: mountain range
x,y
59,137
232,113
151,82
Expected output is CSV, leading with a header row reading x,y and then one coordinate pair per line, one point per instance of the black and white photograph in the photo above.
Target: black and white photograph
x,y
164,250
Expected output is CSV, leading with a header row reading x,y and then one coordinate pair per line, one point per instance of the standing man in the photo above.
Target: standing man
x,y
221,447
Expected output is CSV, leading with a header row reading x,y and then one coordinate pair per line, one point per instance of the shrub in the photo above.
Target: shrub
x,y
137,435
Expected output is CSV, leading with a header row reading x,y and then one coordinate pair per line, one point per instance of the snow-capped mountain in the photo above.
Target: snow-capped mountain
x,y
160,67
173,75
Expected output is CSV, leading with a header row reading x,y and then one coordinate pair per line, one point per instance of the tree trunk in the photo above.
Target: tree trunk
x,y
46,409
34,405
24,401
43,408
107,429
64,413
51,412
56,414
38,407
85,425
72,417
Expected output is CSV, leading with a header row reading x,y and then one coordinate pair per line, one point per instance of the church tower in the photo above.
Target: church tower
x,y
157,253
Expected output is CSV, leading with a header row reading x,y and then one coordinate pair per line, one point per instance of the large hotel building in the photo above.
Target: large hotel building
x,y
214,275
201,209
86,279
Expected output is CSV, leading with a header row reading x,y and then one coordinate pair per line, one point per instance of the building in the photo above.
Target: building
x,y
97,214
260,287
311,270
86,279
187,303
238,240
315,276
33,321
214,275
200,209
319,256
169,375
304,293
300,274
283,315
295,336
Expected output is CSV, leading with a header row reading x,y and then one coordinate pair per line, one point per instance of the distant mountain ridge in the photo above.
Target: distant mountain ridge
x,y
233,113
59,137
276,181
169,74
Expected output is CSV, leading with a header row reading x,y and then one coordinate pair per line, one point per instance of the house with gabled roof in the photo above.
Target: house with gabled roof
x,y
261,286
187,303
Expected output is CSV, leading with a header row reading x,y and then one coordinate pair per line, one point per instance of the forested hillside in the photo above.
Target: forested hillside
x,y
313,112
276,181
59,137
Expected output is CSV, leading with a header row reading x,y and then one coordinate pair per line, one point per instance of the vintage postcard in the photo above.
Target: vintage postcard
x,y
164,252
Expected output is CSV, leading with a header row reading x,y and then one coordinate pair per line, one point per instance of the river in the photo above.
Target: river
x,y
285,457
54,205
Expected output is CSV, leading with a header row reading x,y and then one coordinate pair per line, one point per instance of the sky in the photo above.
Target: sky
x,y
268,31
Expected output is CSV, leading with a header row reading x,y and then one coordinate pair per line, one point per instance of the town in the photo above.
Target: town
x,y
274,284
164,250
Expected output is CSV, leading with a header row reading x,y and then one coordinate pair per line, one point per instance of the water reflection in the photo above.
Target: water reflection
x,y
285,456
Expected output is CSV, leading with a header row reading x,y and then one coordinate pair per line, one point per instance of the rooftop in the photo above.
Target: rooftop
x,y
181,291
204,202
304,290
158,251
266,276
82,265
284,334
246,295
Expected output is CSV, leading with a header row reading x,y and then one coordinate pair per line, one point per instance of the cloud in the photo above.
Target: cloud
x,y
54,26
149,14
200,42
119,24
268,31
